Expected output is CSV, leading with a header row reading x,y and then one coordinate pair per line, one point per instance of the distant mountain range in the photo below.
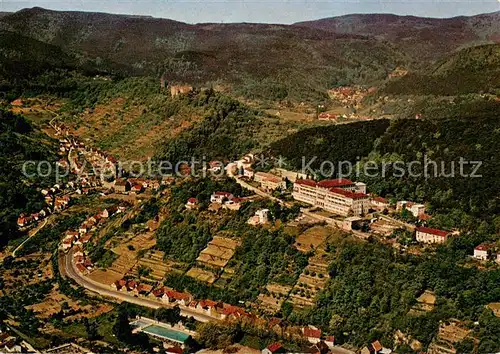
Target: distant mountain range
x,y
277,61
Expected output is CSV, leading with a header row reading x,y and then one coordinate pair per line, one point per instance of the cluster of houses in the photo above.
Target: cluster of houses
x,y
135,185
224,200
87,229
227,200
169,296
333,117
350,96
54,204
96,157
82,262
319,344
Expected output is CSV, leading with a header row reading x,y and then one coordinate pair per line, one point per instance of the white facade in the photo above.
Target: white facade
x,y
343,200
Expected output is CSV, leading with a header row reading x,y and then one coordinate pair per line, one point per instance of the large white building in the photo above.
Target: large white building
x,y
338,196
428,235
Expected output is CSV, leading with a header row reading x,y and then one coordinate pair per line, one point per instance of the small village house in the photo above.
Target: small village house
x,y
220,197
312,334
192,203
273,349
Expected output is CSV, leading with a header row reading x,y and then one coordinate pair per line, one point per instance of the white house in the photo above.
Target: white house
x,y
481,251
219,197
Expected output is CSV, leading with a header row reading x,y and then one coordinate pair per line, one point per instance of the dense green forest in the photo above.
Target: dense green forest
x,y
19,142
225,132
346,142
445,142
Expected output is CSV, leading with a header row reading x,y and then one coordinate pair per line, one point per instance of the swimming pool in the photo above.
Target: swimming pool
x,y
166,333
139,324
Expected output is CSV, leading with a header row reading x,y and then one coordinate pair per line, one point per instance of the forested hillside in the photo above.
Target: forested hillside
x,y
346,142
18,143
445,141
470,70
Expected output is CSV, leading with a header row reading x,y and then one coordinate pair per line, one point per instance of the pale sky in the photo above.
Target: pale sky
x,y
274,11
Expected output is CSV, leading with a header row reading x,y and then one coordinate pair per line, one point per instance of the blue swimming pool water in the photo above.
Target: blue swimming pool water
x,y
167,333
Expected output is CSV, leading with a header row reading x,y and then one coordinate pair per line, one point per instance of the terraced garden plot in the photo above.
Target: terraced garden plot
x,y
218,252
312,238
273,298
425,303
154,260
312,280
201,274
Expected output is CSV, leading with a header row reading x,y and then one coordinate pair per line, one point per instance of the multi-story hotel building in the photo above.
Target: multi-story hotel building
x,y
338,196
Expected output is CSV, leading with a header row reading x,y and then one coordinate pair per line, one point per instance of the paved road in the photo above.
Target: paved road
x,y
105,290
35,231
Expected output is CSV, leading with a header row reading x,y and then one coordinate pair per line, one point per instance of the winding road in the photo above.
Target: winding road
x,y
66,264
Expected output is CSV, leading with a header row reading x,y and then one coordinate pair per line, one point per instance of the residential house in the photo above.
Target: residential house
x,y
429,235
137,188
330,341
379,204
261,217
122,186
481,251
192,203
232,312
273,349
67,243
375,348
81,268
119,284
174,350
220,197
248,172
22,221
416,209
131,285
104,214
143,289
172,296
312,334
233,204
207,306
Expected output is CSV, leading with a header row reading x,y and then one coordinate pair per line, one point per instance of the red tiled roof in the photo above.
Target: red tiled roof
x,y
175,350
312,333
484,247
177,295
207,303
380,200
431,231
223,194
192,200
377,346
348,194
80,268
274,347
334,183
306,182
